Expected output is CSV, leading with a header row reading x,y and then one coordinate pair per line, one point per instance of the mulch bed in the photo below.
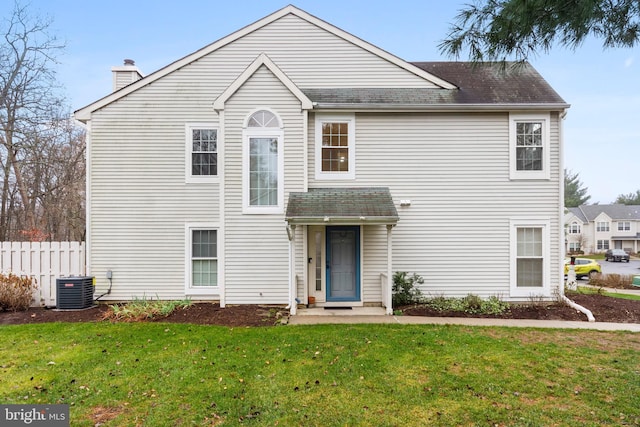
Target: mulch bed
x,y
200,314
604,309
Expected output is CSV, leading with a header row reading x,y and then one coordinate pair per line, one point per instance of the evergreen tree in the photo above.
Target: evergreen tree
x,y
495,30
629,199
574,192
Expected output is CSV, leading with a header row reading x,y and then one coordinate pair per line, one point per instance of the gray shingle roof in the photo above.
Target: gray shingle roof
x,y
342,205
478,84
588,213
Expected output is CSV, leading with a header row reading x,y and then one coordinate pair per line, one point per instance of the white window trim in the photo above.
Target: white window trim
x,y
189,178
210,291
335,118
519,291
545,173
575,225
622,225
248,133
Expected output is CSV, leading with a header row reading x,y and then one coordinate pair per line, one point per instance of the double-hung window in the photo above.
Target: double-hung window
x,y
602,226
574,228
335,153
263,164
529,151
602,245
574,246
624,225
530,258
202,257
201,153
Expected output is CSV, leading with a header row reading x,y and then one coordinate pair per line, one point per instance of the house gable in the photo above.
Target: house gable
x,y
261,60
602,217
84,113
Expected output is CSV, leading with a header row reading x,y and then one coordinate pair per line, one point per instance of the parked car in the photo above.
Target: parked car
x,y
616,255
584,267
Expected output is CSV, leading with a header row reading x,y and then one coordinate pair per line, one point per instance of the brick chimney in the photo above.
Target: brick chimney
x,y
125,74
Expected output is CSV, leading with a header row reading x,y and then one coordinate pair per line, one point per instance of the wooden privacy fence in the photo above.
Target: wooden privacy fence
x,y
45,262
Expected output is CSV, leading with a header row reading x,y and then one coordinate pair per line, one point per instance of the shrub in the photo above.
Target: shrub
x,y
471,304
405,290
142,309
16,292
619,281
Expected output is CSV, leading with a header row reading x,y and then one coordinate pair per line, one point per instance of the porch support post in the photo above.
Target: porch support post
x,y
293,286
389,296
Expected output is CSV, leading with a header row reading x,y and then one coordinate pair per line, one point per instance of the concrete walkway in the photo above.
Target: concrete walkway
x,y
419,320
318,316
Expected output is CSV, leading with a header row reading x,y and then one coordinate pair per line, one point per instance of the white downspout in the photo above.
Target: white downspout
x,y
389,296
579,308
291,234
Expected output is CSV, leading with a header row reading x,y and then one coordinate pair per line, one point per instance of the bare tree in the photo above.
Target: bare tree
x,y
41,153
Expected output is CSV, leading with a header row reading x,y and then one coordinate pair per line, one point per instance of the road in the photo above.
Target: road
x,y
610,267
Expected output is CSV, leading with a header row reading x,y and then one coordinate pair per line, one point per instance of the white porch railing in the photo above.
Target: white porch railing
x,y
45,262
384,286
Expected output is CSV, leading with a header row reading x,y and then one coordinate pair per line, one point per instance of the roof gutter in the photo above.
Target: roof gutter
x,y
347,220
439,107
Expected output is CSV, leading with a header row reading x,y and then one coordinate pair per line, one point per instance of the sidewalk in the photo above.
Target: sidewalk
x,y
375,315
418,320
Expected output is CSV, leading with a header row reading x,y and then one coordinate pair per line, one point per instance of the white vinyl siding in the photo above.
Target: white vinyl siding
x,y
319,59
436,162
374,261
257,247
139,209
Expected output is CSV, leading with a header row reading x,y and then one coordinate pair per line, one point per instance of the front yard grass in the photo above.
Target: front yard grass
x,y
141,374
621,294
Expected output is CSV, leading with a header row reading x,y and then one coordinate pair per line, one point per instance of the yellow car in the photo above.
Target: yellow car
x,y
583,266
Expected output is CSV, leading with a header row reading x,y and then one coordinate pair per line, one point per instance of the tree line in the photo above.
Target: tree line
x,y
42,151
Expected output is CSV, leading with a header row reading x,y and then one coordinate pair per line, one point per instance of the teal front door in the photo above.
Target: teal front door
x,y
343,264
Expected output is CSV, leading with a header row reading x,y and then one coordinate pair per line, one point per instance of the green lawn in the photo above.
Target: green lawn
x,y
136,374
587,290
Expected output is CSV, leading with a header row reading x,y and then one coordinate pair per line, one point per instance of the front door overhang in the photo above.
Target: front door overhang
x,y
341,206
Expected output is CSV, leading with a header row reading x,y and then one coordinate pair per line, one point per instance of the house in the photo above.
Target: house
x,y
292,159
596,228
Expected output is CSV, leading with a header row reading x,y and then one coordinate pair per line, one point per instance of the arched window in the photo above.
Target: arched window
x,y
263,163
263,119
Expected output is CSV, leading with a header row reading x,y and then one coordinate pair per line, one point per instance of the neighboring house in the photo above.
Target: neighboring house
x,y
596,228
292,159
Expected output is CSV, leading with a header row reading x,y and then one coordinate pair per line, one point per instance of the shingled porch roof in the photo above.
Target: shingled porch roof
x,y
365,205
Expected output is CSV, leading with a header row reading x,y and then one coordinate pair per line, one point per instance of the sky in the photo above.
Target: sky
x,y
601,129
